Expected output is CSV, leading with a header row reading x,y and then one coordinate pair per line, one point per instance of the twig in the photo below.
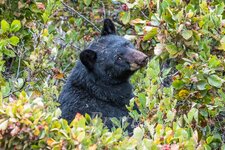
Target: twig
x,y
66,67
73,10
144,15
172,75
18,68
48,78
70,44
103,6
16,90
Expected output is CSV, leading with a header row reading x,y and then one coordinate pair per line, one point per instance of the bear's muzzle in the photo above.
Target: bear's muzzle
x,y
136,59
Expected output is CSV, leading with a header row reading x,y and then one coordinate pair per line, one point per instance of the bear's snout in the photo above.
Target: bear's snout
x,y
136,59
142,61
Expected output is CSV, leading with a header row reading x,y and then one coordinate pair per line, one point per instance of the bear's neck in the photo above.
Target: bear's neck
x,y
119,94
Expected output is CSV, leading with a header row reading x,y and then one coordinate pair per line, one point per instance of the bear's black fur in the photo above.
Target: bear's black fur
x,y
100,80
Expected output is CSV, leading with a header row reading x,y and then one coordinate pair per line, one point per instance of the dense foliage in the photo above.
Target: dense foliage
x,y
180,94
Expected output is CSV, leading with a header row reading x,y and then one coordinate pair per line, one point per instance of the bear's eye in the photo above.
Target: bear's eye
x,y
119,57
126,44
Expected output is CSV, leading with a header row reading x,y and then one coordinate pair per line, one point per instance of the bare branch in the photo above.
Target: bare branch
x,y
103,6
144,15
74,11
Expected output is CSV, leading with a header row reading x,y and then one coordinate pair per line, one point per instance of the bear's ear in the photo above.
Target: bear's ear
x,y
88,58
108,28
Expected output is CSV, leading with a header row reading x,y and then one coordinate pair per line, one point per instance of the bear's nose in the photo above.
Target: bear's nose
x,y
143,60
136,59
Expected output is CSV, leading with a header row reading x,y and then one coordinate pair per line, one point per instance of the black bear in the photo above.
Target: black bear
x,y
100,81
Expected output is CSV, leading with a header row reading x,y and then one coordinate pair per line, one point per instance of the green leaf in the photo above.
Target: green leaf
x,y
172,49
196,36
222,44
166,72
45,17
207,147
181,134
223,147
178,84
15,26
138,133
201,85
204,113
9,53
115,121
217,138
126,17
5,26
187,34
1,99
214,62
14,40
142,99
87,2
5,89
3,43
170,116
204,7
209,139
150,34
214,80
19,83
219,9
81,136
193,113
222,94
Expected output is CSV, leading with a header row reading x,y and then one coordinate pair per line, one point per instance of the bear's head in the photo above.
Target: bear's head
x,y
112,58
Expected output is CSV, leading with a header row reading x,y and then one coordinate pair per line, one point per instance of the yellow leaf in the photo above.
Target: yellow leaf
x,y
81,136
157,141
190,14
137,21
161,107
159,129
36,94
26,122
183,93
222,44
57,73
59,76
45,32
50,141
93,147
169,138
23,96
36,132
1,99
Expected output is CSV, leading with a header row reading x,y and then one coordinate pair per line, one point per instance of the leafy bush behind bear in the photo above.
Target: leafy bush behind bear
x,y
38,48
